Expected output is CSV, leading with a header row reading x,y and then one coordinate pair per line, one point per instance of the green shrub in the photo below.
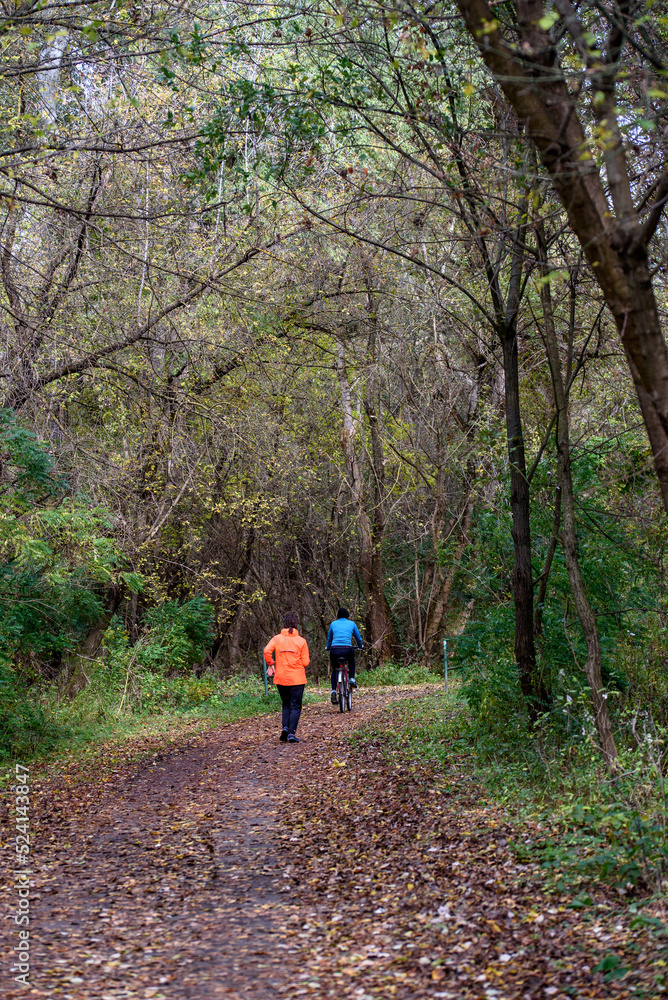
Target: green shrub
x,y
174,638
493,691
178,635
643,659
604,842
391,674
25,728
56,555
159,693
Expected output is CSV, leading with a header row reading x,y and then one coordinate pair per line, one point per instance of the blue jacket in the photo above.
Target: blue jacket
x,y
342,632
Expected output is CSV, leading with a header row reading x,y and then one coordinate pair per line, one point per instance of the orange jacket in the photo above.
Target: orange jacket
x,y
291,657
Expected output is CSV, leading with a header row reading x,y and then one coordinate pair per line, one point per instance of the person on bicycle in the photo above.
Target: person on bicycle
x,y
290,650
340,638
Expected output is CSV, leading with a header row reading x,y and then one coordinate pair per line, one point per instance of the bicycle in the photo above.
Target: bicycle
x,y
344,692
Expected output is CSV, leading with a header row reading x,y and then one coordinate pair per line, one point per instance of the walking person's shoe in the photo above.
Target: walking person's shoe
x,y
293,739
284,736
334,700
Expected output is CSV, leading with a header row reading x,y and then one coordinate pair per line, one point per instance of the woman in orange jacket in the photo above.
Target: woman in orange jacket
x,y
290,650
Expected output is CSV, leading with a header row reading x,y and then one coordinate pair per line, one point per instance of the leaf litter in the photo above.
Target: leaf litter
x,y
222,863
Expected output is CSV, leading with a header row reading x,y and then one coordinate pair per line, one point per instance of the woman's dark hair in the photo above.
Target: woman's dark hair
x,y
343,613
290,622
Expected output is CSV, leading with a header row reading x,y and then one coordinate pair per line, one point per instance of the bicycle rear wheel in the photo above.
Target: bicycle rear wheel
x,y
349,699
341,695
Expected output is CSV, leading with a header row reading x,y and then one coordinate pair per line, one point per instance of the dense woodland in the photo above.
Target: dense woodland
x,y
309,304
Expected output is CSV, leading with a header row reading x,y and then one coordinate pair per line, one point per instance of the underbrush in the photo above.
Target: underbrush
x,y
25,727
391,674
116,705
114,696
594,828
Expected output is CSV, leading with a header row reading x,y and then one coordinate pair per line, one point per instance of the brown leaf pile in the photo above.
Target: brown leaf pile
x,y
410,890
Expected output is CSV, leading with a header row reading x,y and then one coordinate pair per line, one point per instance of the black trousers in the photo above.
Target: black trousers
x,y
291,699
334,654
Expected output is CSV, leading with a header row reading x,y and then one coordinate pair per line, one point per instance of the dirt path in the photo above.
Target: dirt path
x,y
208,872
169,878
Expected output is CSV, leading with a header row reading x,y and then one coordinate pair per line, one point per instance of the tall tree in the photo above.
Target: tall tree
x,y
585,612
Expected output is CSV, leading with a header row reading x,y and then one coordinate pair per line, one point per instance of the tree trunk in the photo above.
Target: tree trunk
x,y
47,79
657,437
505,326
379,614
547,566
525,648
583,607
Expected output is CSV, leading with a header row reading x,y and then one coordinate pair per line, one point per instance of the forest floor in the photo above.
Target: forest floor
x,y
223,864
